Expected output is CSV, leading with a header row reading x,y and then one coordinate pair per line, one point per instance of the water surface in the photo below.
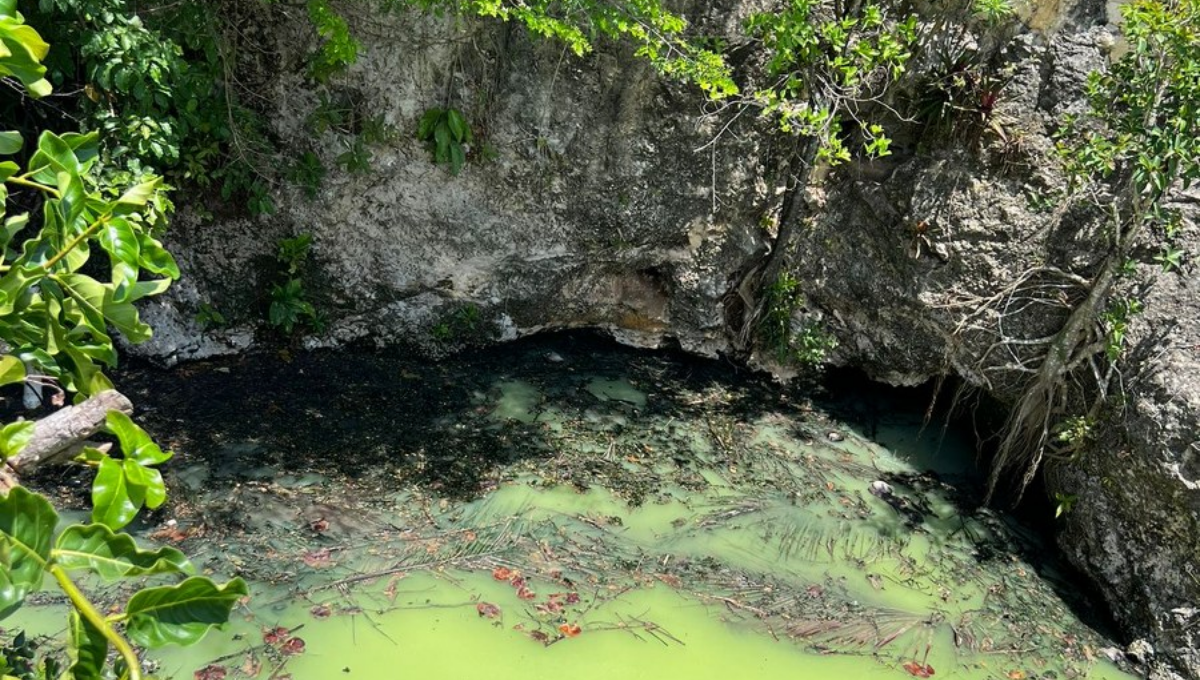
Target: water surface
x,y
567,508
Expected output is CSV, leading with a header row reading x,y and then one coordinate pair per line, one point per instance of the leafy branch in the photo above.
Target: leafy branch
x,y
56,319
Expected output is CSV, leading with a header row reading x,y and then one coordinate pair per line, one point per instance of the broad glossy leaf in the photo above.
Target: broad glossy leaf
x,y
14,284
136,198
27,523
114,502
458,125
156,259
10,142
148,481
97,298
14,436
71,203
135,443
180,614
88,650
119,239
113,556
8,169
22,51
12,227
150,288
86,146
12,370
53,155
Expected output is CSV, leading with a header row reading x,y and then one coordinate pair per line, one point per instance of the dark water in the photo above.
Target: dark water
x,y
568,507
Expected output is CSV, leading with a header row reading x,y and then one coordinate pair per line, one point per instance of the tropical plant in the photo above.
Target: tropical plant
x,y
1135,145
659,36
447,135
806,343
157,84
55,319
289,304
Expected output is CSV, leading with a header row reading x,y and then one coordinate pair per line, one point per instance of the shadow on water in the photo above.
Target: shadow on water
x,y
378,412
575,484
951,435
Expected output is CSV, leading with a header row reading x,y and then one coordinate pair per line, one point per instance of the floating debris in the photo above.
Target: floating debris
x,y
627,493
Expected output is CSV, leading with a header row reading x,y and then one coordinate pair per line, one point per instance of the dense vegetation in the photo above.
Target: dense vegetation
x,y
113,103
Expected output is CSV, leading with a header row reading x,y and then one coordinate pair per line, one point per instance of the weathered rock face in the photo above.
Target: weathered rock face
x,y
1136,524
585,204
600,196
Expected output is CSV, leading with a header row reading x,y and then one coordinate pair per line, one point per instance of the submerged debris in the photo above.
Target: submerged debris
x,y
550,491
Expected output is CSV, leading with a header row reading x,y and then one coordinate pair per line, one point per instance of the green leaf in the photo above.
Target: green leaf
x,y
99,304
443,138
21,53
12,370
27,523
118,238
143,289
148,481
181,614
14,436
114,556
114,502
458,125
135,443
10,142
136,198
428,121
155,258
88,649
53,156
8,169
12,227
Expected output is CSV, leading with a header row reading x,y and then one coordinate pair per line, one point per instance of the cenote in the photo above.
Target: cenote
x,y
563,507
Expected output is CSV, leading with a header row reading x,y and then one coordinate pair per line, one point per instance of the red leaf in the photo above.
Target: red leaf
x,y
918,670
321,611
502,573
488,610
210,672
570,630
525,593
572,598
292,646
272,636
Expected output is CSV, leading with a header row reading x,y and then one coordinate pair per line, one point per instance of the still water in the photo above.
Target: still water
x,y
567,508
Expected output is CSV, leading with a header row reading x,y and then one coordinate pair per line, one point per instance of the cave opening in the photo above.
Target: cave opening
x,y
967,424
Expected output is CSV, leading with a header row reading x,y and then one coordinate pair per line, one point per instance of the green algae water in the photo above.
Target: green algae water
x,y
567,508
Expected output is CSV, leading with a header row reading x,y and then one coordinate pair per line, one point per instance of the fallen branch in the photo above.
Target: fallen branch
x,y
62,435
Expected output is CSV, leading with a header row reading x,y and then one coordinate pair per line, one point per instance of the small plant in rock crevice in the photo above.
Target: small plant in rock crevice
x,y
448,136
805,344
290,307
460,325
308,173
